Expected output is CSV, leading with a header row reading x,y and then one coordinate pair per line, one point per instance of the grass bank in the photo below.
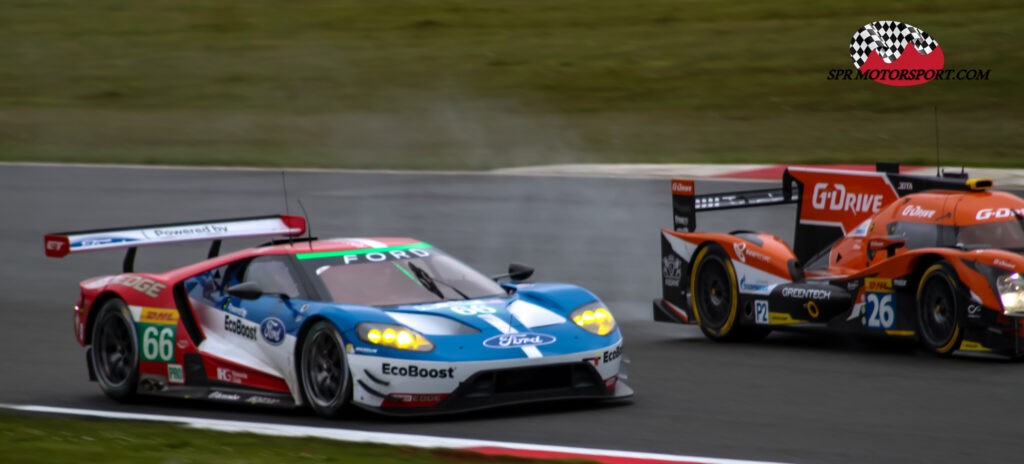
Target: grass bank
x,y
28,439
463,84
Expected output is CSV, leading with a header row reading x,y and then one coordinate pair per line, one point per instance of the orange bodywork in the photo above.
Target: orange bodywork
x,y
890,230
851,256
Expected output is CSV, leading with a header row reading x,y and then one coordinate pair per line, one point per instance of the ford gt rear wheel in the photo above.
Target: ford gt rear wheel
x,y
938,315
115,353
326,382
714,293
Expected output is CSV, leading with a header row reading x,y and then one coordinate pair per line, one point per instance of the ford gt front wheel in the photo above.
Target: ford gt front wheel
x,y
326,383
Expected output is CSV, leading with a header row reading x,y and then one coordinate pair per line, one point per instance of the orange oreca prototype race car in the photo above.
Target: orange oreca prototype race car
x,y
936,258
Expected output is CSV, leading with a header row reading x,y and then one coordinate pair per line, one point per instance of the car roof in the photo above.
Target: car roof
x,y
336,244
970,207
296,247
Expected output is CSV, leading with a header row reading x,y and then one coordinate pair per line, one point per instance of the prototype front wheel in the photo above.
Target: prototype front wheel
x,y
938,315
115,350
714,293
326,382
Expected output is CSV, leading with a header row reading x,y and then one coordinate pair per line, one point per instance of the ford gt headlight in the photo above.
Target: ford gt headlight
x,y
1011,292
393,336
594,318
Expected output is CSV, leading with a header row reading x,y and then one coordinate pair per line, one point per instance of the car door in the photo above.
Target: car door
x,y
256,334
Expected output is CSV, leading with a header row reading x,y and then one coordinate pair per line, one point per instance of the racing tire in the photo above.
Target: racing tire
x,y
939,318
324,373
115,350
714,294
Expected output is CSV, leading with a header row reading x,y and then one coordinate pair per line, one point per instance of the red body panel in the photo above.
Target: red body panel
x,y
148,290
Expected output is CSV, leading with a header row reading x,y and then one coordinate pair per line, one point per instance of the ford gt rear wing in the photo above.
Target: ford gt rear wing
x,y
61,244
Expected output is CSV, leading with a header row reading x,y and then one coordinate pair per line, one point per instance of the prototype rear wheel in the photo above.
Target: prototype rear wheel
x,y
714,293
938,315
115,351
326,383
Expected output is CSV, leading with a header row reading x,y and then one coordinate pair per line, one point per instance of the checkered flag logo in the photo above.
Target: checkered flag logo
x,y
889,39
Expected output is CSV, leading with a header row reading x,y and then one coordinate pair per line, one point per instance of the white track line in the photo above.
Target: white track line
x,y
398,439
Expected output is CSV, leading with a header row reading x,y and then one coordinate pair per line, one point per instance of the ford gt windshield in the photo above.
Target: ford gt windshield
x,y
382,279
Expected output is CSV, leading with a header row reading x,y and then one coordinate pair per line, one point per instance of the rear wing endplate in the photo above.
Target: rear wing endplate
x,y
61,244
686,203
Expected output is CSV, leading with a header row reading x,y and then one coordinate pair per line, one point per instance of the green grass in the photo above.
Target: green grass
x,y
462,84
27,440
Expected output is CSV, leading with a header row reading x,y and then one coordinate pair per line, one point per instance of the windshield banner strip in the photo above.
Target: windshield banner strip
x,y
407,274
331,254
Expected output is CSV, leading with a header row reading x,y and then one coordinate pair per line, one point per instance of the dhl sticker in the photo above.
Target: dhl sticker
x,y
782,319
159,316
876,285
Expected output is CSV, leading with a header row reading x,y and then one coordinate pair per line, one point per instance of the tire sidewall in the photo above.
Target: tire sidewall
x,y
944,272
728,326
335,407
115,308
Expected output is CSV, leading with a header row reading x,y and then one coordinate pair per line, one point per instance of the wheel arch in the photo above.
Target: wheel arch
x,y
94,308
960,297
921,264
300,338
697,251
926,261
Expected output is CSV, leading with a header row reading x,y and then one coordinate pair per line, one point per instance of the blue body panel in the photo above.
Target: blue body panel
x,y
295,314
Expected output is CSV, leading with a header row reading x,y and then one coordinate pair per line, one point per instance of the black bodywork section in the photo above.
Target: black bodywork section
x,y
502,387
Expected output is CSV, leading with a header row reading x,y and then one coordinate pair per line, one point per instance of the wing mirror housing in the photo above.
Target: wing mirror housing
x,y
246,291
519,271
889,243
516,272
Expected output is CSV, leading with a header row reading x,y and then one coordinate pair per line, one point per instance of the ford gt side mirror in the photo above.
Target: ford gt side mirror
x,y
519,271
889,243
516,272
246,291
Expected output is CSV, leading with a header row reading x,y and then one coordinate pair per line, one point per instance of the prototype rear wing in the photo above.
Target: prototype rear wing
x,y
830,203
686,203
61,244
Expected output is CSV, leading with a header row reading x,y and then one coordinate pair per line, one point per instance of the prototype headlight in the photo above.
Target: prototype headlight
x,y
393,336
594,318
1011,292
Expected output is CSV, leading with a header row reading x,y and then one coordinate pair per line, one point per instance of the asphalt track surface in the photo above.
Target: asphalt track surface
x,y
792,397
